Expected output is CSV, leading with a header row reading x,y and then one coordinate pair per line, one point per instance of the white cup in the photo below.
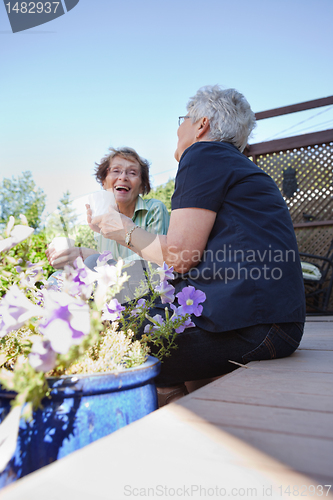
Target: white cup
x,y
100,202
60,243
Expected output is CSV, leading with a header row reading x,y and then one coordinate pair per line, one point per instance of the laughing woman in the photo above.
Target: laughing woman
x,y
127,174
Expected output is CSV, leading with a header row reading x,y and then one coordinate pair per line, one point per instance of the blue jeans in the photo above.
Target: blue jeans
x,y
203,354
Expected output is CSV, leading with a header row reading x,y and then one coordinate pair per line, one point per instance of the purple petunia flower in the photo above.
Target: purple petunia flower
x,y
166,292
15,310
153,327
188,324
190,298
112,310
31,276
82,280
104,257
42,357
139,308
66,322
78,281
165,272
178,313
106,276
16,235
61,336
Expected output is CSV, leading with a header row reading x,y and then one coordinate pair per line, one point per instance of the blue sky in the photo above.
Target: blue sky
x,y
114,73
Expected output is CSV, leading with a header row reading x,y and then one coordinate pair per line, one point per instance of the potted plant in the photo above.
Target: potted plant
x,y
73,367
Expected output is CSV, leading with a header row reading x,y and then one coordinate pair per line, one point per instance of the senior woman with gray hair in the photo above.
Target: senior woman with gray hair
x,y
230,236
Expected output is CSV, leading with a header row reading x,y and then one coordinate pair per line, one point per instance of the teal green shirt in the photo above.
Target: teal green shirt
x,y
152,215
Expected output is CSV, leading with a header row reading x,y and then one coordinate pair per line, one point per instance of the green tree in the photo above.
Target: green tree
x,y
163,193
85,237
21,196
63,221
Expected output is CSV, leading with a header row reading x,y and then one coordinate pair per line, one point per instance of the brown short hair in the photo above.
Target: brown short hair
x,y
101,170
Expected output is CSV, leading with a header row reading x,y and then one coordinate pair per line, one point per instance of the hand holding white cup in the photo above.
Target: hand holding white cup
x,y
102,210
100,202
60,243
61,251
110,225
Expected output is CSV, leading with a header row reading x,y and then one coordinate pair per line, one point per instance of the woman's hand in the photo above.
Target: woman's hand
x,y
112,225
60,258
95,228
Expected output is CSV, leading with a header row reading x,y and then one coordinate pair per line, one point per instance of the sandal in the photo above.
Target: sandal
x,y
168,395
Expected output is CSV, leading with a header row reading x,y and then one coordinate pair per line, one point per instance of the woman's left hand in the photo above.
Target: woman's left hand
x,y
59,259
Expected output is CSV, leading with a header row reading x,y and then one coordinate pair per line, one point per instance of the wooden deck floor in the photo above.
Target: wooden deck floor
x,y
262,431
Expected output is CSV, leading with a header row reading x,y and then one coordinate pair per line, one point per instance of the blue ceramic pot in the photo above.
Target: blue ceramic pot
x,y
82,409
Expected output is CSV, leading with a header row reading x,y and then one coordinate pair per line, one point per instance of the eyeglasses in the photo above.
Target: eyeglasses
x,y
129,172
181,119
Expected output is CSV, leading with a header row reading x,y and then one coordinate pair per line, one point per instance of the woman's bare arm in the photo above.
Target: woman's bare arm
x,y
182,247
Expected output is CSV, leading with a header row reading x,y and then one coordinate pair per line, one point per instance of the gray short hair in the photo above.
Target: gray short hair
x,y
230,116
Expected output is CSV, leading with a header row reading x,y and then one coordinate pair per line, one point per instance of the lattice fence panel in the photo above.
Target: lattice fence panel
x,y
315,240
313,199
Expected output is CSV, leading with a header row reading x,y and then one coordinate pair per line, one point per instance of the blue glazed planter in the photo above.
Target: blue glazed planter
x,y
82,409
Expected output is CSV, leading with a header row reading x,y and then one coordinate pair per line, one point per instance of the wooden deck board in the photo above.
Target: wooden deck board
x,y
268,419
274,388
267,428
165,448
306,455
315,318
301,360
318,336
